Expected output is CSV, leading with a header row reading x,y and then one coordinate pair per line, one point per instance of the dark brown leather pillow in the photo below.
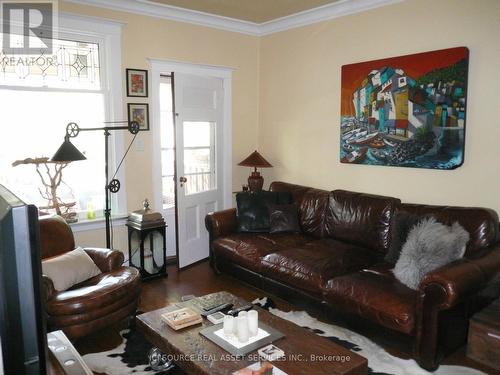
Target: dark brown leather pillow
x,y
253,209
284,218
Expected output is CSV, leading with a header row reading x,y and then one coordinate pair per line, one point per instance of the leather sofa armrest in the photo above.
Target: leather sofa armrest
x,y
48,287
221,223
463,278
444,288
107,260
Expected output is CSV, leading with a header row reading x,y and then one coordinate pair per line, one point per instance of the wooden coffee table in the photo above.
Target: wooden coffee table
x,y
305,352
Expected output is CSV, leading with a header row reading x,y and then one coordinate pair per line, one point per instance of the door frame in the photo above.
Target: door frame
x,y
166,67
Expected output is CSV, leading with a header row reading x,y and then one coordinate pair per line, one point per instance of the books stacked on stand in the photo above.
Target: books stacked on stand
x,y
181,318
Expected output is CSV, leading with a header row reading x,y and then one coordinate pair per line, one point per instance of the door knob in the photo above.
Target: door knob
x,y
182,180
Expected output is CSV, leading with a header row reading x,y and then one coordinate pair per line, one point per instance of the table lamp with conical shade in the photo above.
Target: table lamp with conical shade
x,y
255,160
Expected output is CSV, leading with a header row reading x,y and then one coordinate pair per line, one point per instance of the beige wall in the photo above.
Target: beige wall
x,y
97,238
286,96
300,98
145,37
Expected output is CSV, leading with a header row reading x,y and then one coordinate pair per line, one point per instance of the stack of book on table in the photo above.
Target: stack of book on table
x,y
181,318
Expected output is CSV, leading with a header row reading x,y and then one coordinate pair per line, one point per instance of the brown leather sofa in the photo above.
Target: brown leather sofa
x,y
338,261
91,305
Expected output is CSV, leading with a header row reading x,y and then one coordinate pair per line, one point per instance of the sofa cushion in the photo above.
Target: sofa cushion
x,y
247,249
253,209
297,191
284,218
481,223
312,203
375,294
311,265
363,219
69,269
288,239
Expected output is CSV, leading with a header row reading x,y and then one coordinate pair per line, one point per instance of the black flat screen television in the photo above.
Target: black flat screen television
x,y
22,319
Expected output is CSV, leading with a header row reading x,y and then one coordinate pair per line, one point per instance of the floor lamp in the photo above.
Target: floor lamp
x,y
68,152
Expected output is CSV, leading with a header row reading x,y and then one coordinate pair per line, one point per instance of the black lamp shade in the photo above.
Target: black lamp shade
x,y
68,152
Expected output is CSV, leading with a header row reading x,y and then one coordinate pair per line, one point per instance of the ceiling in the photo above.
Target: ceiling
x,y
257,11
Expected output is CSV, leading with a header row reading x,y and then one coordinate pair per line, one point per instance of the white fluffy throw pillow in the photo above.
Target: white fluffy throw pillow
x,y
69,269
429,245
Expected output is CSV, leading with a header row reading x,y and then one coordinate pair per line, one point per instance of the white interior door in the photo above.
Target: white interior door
x,y
198,154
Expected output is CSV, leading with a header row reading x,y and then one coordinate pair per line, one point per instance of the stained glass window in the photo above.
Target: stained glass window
x,y
72,64
39,95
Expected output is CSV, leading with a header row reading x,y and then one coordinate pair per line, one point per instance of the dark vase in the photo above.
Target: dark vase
x,y
255,182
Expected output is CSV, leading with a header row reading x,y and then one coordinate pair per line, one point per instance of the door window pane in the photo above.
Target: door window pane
x,y
199,156
166,115
197,160
168,189
197,134
167,142
167,165
197,183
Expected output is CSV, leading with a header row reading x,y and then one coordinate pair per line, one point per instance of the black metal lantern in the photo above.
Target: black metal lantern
x,y
147,242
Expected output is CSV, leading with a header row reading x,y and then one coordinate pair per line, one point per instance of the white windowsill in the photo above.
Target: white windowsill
x,y
100,223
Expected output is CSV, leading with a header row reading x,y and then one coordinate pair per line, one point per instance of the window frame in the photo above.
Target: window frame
x,y
107,34
169,207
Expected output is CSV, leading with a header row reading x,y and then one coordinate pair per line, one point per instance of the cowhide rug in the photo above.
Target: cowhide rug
x,y
131,356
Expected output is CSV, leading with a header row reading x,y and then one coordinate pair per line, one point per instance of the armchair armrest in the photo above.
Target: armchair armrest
x,y
107,260
463,278
48,287
221,223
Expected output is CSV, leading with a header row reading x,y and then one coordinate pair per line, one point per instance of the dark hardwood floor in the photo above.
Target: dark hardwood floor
x,y
200,280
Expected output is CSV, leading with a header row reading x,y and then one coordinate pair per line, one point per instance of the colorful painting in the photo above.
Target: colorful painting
x,y
139,112
137,83
406,111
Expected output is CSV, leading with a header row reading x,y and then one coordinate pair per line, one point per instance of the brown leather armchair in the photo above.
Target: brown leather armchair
x,y
93,304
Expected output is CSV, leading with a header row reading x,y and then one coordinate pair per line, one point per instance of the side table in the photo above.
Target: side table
x,y
484,336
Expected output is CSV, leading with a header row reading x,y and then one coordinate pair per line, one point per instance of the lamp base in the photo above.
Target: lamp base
x,y
255,182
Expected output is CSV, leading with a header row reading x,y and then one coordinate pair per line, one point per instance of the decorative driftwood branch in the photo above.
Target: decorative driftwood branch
x,y
51,179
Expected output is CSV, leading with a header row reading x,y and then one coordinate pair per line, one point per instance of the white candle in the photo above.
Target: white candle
x,y
242,328
253,322
242,314
228,326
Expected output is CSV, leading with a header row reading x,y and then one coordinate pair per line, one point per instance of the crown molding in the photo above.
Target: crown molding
x,y
307,17
151,9
88,24
323,13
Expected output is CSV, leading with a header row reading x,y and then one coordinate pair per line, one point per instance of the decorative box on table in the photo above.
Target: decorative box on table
x,y
147,242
